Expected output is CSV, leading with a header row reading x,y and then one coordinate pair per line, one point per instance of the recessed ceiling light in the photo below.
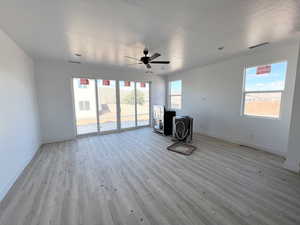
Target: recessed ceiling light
x,y
78,54
221,48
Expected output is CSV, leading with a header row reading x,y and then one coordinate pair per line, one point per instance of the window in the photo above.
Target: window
x,y
107,105
84,105
103,106
263,88
175,94
143,103
83,83
82,86
127,104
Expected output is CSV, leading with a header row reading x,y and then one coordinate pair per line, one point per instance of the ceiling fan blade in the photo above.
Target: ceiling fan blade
x,y
130,64
154,56
160,62
129,57
148,66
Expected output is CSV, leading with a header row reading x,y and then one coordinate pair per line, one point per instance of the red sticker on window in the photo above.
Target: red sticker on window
x,y
127,83
263,70
143,84
106,82
84,81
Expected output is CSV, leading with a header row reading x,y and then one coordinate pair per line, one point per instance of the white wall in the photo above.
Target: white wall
x,y
293,155
19,126
55,93
213,94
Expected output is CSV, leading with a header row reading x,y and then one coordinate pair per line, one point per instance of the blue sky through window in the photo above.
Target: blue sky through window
x,y
272,81
175,87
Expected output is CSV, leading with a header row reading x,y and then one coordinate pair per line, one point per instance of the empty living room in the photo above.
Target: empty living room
x,y
137,112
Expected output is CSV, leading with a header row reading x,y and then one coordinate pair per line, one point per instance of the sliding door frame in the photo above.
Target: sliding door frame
x,y
150,106
97,106
118,106
135,105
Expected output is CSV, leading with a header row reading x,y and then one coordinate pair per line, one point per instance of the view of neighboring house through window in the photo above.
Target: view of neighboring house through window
x,y
175,94
263,89
84,105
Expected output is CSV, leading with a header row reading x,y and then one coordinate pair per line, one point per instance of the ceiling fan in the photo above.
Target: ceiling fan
x,y
147,60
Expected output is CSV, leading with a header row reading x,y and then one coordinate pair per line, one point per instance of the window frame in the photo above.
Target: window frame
x,y
170,95
244,92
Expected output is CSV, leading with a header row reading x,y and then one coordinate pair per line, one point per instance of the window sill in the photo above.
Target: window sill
x,y
261,117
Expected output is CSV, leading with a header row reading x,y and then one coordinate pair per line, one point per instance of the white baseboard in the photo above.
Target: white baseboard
x,y
238,142
292,165
12,181
57,140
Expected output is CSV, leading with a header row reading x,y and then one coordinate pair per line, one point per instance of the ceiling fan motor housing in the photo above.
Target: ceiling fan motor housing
x,y
145,59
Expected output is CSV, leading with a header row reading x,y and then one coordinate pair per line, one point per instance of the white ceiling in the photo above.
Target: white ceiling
x,y
187,32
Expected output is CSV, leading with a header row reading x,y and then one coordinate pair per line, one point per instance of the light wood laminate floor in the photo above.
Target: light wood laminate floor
x,y
130,178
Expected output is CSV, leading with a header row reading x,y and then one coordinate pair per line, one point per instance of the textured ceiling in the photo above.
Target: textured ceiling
x,y
187,32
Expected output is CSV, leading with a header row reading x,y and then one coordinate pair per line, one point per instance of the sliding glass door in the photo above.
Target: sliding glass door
x,y
85,105
127,104
143,103
108,105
